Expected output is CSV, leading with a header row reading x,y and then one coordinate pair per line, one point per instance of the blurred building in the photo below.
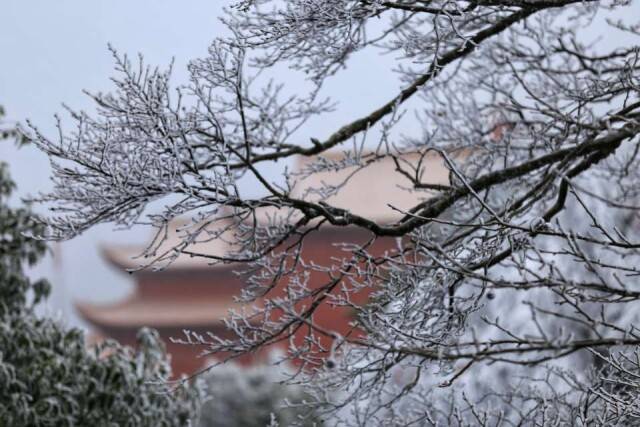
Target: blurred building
x,y
193,295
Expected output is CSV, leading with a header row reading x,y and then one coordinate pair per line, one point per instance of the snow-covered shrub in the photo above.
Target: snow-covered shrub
x,y
254,396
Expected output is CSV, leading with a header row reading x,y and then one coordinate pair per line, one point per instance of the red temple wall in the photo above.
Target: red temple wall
x,y
220,282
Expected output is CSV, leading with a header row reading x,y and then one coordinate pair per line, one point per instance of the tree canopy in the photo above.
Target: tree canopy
x,y
511,295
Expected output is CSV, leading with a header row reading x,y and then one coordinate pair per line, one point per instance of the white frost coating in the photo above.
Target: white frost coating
x,y
512,293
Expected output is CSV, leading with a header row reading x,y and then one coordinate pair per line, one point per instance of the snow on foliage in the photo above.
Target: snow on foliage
x,y
513,291
256,396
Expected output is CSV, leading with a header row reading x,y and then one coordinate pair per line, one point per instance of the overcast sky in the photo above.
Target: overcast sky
x,y
52,50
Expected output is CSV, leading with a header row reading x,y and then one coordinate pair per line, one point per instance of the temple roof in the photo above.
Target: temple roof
x,y
128,257
369,192
135,313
